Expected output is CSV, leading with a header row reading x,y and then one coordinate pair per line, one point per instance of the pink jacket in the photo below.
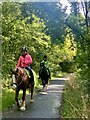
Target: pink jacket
x,y
24,61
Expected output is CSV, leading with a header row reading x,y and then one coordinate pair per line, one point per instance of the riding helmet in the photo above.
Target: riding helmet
x,y
24,48
45,56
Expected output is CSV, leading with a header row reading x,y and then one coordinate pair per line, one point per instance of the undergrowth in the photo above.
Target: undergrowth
x,y
73,105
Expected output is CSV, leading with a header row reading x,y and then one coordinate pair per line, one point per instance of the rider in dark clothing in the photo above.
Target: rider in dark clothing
x,y
44,63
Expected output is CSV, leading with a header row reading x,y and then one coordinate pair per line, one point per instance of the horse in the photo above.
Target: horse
x,y
44,76
23,82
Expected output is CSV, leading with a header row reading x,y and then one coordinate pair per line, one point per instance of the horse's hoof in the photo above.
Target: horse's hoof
x,y
22,108
31,100
44,89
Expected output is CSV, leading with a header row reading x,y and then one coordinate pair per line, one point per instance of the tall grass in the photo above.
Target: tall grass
x,y
8,98
74,106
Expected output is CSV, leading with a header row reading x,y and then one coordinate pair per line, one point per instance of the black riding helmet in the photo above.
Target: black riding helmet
x,y
45,57
24,49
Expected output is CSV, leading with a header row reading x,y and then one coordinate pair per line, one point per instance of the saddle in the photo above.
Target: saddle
x,y
27,71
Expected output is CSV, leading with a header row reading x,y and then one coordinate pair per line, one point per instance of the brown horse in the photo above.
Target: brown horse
x,y
23,82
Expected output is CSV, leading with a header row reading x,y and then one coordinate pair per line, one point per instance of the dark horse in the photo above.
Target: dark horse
x,y
23,82
44,76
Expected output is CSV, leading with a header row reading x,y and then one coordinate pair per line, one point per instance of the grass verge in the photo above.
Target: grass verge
x,y
8,98
73,105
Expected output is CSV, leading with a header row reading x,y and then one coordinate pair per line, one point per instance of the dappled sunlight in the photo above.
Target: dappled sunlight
x,y
60,78
57,91
55,88
44,93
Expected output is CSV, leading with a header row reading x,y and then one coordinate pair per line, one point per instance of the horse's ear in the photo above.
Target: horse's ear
x,y
11,70
14,71
17,69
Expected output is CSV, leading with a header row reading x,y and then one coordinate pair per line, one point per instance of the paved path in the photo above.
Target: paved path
x,y
44,105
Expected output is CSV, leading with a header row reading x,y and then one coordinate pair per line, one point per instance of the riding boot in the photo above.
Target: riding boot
x,y
31,79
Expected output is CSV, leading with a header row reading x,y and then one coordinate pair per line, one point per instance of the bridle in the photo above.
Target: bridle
x,y
20,81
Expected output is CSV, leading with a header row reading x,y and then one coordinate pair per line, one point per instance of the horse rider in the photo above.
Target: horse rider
x,y
44,63
24,61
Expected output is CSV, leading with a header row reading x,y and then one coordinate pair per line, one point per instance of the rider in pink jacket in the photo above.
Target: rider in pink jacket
x,y
24,61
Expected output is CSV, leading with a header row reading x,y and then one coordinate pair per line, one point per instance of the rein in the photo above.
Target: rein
x,y
20,82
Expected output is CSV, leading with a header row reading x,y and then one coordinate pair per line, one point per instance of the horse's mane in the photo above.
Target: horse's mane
x,y
21,71
22,76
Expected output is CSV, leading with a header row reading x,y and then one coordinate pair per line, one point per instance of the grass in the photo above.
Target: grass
x,y
8,98
59,75
37,83
73,106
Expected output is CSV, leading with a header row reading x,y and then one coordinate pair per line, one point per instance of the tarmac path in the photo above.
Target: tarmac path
x,y
45,104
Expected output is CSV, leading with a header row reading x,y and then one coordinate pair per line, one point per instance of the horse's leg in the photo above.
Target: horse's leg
x,y
16,97
32,85
32,88
46,83
23,101
43,83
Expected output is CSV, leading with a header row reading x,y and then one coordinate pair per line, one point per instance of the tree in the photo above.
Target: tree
x,y
17,32
52,14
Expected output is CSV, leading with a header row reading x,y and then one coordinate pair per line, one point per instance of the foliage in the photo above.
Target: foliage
x,y
83,64
78,26
8,98
5,101
74,104
62,54
17,32
52,14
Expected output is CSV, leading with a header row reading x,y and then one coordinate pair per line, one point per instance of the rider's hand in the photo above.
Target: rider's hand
x,y
23,62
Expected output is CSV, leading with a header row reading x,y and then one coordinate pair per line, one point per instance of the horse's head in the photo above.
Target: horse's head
x,y
17,74
42,65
